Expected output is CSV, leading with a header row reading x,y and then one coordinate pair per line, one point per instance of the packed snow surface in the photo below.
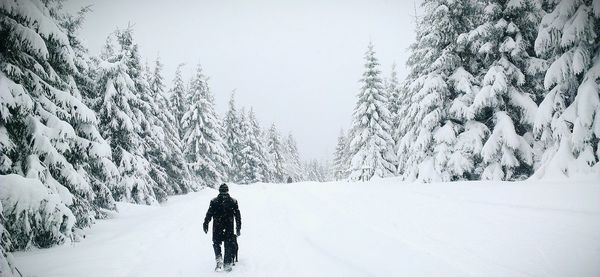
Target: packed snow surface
x,y
378,228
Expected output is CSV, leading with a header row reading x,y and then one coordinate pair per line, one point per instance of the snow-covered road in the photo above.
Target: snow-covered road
x,y
380,228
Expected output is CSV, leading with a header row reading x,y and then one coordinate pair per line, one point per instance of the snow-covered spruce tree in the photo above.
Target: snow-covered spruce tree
x,y
348,153
401,134
123,120
153,134
434,109
276,155
568,119
339,157
393,92
372,145
46,132
177,99
395,106
204,147
503,43
246,165
316,171
167,160
398,105
174,162
326,167
293,166
233,141
257,156
254,162
102,173
465,160
156,81
312,172
7,263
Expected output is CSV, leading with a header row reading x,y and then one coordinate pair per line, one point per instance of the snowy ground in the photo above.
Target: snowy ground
x,y
380,228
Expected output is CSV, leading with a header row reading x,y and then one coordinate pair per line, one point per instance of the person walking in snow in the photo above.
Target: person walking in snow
x,y
224,210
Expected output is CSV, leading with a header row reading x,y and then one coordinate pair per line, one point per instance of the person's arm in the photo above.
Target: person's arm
x,y
238,218
209,215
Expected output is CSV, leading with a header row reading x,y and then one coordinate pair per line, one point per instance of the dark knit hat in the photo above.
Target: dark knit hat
x,y
223,188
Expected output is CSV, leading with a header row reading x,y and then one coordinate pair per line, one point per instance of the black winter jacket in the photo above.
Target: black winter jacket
x,y
223,210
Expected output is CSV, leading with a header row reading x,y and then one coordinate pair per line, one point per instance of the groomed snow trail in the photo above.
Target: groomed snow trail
x,y
379,228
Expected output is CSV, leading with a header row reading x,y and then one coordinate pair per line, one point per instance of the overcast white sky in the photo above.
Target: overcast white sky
x,y
296,62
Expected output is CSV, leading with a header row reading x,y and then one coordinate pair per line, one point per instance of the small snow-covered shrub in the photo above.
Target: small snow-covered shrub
x,y
34,216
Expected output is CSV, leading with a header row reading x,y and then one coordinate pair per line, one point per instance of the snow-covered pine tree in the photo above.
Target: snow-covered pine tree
x,y
178,99
233,141
398,105
254,166
168,163
401,134
246,163
316,171
46,131
311,169
436,97
176,168
276,155
122,118
568,119
327,172
392,89
7,263
258,151
293,165
156,81
503,43
152,133
372,145
204,147
339,157
101,171
348,153
465,160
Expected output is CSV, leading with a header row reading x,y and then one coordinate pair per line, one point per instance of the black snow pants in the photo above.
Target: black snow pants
x,y
229,244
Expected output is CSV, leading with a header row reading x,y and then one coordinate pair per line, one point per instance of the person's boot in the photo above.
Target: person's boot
x,y
219,266
227,267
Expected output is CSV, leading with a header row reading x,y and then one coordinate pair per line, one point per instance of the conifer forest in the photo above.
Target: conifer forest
x,y
493,118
